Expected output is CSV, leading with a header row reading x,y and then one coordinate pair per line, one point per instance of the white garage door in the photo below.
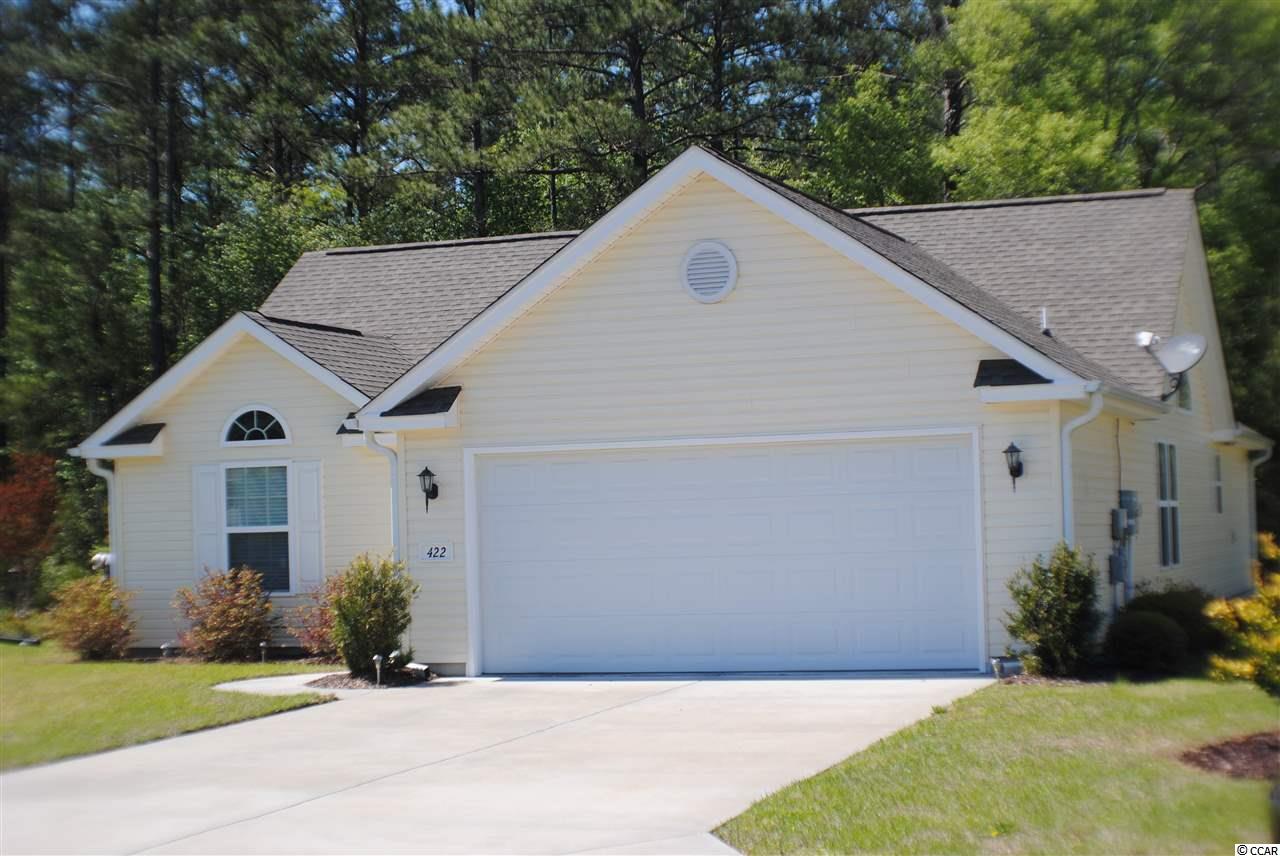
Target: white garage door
x,y
793,556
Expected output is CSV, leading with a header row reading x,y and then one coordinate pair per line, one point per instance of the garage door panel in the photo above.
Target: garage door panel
x,y
852,555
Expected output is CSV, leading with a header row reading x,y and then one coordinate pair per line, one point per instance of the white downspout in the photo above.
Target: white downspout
x,y
1068,504
394,460
1254,463
109,476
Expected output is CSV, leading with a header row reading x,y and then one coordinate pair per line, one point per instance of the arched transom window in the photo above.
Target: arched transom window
x,y
256,426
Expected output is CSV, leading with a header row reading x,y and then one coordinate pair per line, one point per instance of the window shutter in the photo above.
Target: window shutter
x,y
307,494
206,510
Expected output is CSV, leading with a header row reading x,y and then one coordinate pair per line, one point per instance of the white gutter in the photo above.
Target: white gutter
x,y
394,460
1254,463
1068,505
95,466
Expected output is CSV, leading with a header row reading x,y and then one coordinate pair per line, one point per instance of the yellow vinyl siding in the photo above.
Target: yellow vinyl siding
x,y
806,342
154,494
1215,547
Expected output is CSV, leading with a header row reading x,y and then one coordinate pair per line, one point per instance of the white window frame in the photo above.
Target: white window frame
x,y
244,444
1218,504
1168,492
226,531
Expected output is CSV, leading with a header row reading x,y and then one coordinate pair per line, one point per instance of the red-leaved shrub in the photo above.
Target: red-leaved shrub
x,y
27,503
312,622
91,617
229,615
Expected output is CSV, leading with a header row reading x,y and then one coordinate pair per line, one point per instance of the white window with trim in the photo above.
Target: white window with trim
x,y
261,514
1184,391
255,425
257,522
1217,483
1167,502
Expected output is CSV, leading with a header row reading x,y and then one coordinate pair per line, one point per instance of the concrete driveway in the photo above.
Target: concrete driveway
x,y
638,765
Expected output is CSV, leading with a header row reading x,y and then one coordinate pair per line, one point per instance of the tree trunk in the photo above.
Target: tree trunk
x,y
173,203
4,298
479,175
154,236
639,108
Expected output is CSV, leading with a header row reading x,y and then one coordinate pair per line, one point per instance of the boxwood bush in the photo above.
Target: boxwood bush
x,y
1184,604
1146,642
1055,611
371,611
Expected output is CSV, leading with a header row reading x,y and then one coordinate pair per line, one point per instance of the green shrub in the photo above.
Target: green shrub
x,y
1055,611
229,615
1184,604
371,610
1252,628
91,617
1146,641
312,622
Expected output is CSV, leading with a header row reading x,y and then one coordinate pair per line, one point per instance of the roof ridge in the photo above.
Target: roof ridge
x,y
760,176
1100,196
455,242
1014,316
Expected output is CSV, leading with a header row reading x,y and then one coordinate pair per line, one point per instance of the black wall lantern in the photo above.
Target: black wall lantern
x,y
1013,457
430,490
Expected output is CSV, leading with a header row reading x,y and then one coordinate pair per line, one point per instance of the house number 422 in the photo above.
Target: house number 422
x,y
435,552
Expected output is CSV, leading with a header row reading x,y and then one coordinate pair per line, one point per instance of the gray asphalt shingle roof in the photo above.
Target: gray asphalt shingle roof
x,y
1105,266
416,295
369,363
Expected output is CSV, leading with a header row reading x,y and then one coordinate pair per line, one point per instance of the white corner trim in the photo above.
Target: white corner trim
x,y
243,444
187,368
471,520
693,162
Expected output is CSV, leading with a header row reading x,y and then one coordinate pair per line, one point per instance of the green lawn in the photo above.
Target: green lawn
x,y
52,706
1033,769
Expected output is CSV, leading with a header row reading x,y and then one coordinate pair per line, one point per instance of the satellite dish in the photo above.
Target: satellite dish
x,y
1179,353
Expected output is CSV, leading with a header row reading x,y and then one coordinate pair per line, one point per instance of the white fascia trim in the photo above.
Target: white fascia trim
x,y
1242,436
1059,391
186,369
670,178
154,449
423,422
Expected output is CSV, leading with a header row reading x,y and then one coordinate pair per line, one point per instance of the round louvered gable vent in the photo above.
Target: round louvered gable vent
x,y
710,271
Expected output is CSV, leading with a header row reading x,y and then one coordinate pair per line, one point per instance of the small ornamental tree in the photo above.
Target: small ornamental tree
x,y
312,622
229,615
371,610
91,617
1055,611
28,500
1252,627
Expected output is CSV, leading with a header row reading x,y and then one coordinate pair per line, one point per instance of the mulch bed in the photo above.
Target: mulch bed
x,y
1254,756
355,682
